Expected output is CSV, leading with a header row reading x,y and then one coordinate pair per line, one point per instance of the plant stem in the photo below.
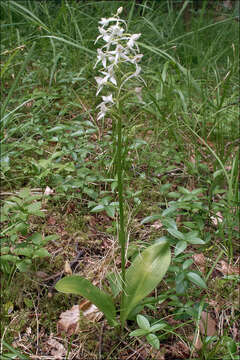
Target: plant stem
x,y
120,170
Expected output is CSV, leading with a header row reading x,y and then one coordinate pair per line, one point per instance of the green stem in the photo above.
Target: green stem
x,y
120,170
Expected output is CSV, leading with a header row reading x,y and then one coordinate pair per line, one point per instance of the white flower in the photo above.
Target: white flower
x,y
104,22
102,112
103,108
109,75
118,52
103,34
100,82
108,99
136,59
116,30
101,57
131,42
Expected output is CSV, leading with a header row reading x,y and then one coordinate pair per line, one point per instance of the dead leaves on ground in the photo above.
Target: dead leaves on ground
x,y
228,269
56,349
207,327
70,319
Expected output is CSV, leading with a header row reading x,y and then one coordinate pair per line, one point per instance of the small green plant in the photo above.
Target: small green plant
x,y
19,245
145,329
149,267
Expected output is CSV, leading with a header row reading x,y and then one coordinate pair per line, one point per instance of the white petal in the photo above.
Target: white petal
x,y
108,99
113,80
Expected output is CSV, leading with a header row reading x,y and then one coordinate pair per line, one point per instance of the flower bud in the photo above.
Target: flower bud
x,y
119,10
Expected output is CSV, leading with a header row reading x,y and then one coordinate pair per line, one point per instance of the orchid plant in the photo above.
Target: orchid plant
x,y
119,53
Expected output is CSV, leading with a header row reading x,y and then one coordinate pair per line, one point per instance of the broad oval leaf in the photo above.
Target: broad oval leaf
x,y
153,340
157,327
42,252
98,208
151,218
138,332
180,247
143,322
76,284
192,238
196,279
144,275
175,233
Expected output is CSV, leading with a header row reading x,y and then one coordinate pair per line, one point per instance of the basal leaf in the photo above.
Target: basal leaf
x,y
144,275
75,284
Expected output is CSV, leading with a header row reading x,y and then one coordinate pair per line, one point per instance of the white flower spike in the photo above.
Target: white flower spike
x,y
120,48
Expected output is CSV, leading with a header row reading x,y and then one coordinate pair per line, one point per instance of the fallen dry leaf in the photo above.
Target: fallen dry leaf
x,y
207,324
51,220
227,269
57,350
157,225
207,327
90,311
200,262
69,320
217,219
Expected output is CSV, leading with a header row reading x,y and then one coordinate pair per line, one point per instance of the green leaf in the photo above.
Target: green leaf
x,y
153,340
35,209
144,275
41,253
187,263
10,258
25,193
143,322
22,228
110,210
78,285
196,279
50,238
175,233
24,265
157,327
192,238
5,250
115,282
169,210
98,208
151,218
91,193
180,247
36,238
25,251
138,332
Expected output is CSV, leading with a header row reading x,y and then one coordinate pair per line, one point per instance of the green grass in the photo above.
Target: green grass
x,y
185,133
